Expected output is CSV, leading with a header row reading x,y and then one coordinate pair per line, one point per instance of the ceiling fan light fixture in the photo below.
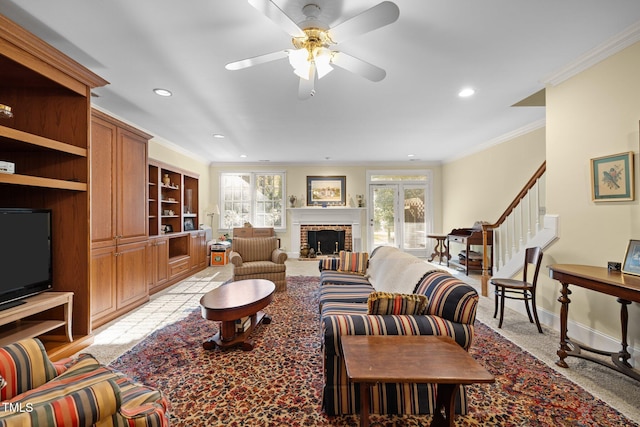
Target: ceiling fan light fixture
x,y
322,59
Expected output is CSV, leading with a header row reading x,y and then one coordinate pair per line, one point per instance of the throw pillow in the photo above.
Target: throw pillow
x,y
393,303
353,262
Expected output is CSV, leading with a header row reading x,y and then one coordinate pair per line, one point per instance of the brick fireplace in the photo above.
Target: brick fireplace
x,y
308,219
333,237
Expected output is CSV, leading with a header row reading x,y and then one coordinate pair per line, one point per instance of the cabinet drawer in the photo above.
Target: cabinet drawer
x,y
458,239
178,267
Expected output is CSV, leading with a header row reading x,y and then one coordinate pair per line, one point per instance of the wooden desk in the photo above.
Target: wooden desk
x,y
623,286
371,359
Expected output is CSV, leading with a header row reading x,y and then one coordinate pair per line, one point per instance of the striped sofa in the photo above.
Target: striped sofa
x,y
74,392
450,311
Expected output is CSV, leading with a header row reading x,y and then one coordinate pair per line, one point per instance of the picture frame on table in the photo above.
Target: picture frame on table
x,y
326,190
612,178
631,263
188,224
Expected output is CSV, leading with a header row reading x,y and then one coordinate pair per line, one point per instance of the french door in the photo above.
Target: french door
x,y
398,216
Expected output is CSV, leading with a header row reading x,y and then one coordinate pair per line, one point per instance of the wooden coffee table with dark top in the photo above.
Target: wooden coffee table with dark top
x,y
372,359
233,301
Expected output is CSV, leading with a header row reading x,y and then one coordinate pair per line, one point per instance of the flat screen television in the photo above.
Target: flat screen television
x,y
25,254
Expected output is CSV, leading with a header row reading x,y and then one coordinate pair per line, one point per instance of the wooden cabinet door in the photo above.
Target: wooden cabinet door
x,y
162,265
103,282
157,262
103,183
198,250
131,286
131,172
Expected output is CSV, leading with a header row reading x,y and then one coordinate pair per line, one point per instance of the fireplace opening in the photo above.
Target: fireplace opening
x,y
326,242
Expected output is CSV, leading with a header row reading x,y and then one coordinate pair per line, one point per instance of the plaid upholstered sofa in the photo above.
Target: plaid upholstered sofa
x,y
450,310
74,392
259,258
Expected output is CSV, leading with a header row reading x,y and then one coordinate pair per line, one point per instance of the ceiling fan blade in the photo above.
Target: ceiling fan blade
x,y
273,12
378,16
257,60
358,66
307,87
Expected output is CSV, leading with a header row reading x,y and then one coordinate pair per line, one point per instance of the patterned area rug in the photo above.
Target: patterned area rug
x,y
280,381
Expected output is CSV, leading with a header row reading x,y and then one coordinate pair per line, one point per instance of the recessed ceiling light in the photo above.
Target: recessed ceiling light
x,y
162,92
218,135
411,155
243,156
466,92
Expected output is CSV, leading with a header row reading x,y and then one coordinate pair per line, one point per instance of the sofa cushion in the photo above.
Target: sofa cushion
x,y
353,262
339,307
330,277
351,293
394,303
24,365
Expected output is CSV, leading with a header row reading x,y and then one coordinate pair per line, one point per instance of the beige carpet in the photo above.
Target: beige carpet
x,y
174,303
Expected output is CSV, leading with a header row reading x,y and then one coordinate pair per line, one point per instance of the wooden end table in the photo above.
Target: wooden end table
x,y
440,250
233,301
372,359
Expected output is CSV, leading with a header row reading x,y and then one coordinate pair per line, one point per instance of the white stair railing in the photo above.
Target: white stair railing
x,y
523,224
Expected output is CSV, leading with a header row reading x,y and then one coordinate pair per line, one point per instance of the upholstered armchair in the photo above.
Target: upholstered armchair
x,y
259,258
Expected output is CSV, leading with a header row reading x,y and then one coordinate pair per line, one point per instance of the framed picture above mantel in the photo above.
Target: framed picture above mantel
x,y
326,190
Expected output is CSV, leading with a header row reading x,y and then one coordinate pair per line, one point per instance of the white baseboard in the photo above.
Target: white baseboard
x,y
580,333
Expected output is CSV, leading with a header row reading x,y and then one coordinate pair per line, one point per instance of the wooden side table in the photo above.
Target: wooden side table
x,y
372,359
441,250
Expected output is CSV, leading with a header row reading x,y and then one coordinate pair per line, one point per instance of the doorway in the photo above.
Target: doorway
x,y
399,214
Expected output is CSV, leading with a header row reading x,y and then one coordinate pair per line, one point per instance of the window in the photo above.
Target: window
x,y
257,198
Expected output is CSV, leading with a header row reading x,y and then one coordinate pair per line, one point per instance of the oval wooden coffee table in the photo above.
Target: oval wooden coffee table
x,y
233,301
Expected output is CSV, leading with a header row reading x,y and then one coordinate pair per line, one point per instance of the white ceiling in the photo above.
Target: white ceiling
x,y
503,48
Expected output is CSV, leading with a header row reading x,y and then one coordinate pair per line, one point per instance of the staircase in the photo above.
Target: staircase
x,y
523,224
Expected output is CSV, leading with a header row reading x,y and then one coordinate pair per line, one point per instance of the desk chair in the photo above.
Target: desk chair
x,y
520,289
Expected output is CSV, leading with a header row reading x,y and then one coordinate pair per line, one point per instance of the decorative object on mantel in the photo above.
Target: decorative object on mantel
x,y
360,198
612,178
292,201
326,191
5,111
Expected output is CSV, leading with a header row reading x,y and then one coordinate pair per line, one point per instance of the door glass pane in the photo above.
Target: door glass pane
x,y
383,222
414,230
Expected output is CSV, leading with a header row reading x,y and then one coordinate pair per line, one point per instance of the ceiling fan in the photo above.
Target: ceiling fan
x,y
311,56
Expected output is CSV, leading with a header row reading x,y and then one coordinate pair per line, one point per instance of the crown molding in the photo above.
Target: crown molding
x,y
500,139
601,52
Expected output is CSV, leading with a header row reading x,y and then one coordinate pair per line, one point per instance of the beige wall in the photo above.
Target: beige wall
x,y
162,152
593,114
356,177
479,187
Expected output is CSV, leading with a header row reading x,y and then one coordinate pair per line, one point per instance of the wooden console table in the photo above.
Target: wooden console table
x,y
623,286
33,328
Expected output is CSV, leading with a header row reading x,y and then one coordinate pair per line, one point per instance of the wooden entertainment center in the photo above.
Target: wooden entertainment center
x,y
93,172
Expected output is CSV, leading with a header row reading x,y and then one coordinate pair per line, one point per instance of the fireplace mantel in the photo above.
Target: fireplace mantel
x,y
328,216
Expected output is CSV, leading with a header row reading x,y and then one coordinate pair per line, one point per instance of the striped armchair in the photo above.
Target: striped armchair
x,y
259,258
72,393
451,311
